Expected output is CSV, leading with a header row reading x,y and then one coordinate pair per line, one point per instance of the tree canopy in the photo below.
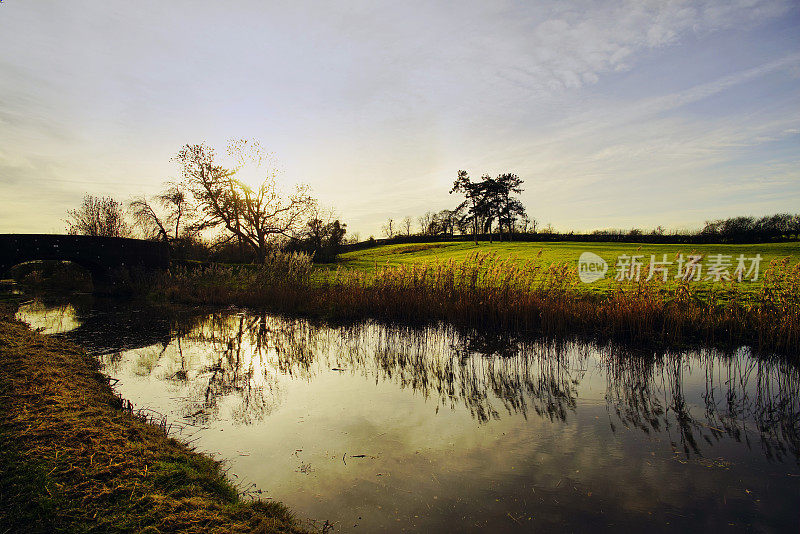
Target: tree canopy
x,y
98,216
254,215
167,216
488,201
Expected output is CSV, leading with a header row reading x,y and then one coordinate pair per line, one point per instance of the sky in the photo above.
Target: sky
x,y
616,114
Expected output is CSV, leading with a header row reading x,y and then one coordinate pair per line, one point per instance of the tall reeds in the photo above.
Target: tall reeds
x,y
489,291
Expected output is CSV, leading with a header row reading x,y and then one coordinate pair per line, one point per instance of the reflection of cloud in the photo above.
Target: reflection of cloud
x,y
241,368
451,431
49,319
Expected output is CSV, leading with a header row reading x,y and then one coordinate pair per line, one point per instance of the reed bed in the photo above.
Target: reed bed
x,y
488,291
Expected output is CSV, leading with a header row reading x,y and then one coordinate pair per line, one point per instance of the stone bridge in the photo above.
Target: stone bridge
x,y
103,257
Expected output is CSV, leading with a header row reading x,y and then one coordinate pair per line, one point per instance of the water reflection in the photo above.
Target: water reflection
x,y
50,317
444,411
242,356
744,398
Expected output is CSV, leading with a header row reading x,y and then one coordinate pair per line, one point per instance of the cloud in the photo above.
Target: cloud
x,y
558,46
377,105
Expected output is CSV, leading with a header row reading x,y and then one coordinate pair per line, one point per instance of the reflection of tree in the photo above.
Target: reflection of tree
x,y
491,375
247,355
230,368
463,369
239,360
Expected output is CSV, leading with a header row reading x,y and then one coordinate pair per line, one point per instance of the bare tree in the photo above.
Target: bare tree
x,y
98,216
165,217
406,225
388,228
526,222
256,216
426,223
446,222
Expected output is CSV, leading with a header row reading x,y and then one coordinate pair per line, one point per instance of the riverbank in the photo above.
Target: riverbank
x,y
74,459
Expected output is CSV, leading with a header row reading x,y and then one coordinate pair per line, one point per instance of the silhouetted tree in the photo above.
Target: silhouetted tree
x,y
509,208
255,216
323,238
388,228
406,225
98,216
490,200
527,222
446,222
472,200
166,217
426,223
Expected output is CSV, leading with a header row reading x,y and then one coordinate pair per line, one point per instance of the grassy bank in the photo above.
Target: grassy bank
x,y
74,459
489,291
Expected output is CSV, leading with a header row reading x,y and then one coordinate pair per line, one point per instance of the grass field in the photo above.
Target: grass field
x,y
552,252
559,252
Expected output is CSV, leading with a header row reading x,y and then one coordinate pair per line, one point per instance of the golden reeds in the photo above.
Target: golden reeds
x,y
489,291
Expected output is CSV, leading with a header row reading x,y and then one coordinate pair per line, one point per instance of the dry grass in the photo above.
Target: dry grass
x,y
74,460
487,291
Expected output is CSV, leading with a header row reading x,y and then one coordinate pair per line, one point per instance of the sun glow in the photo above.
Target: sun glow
x,y
253,164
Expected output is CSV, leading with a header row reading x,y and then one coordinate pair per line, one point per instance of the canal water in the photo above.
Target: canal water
x,y
375,428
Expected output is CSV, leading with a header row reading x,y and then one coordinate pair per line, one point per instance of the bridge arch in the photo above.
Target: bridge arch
x,y
103,257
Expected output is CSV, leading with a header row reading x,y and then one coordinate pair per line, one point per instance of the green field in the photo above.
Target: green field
x,y
561,252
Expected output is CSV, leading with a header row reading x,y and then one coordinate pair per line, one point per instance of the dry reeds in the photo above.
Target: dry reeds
x,y
488,291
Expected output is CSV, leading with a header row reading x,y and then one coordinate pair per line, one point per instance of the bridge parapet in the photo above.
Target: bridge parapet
x,y
101,256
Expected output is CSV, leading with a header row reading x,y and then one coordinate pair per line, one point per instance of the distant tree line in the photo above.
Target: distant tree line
x,y
209,213
491,209
771,228
635,235
741,229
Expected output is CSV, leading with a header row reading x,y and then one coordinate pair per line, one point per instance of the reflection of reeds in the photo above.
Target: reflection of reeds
x,y
491,292
745,399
